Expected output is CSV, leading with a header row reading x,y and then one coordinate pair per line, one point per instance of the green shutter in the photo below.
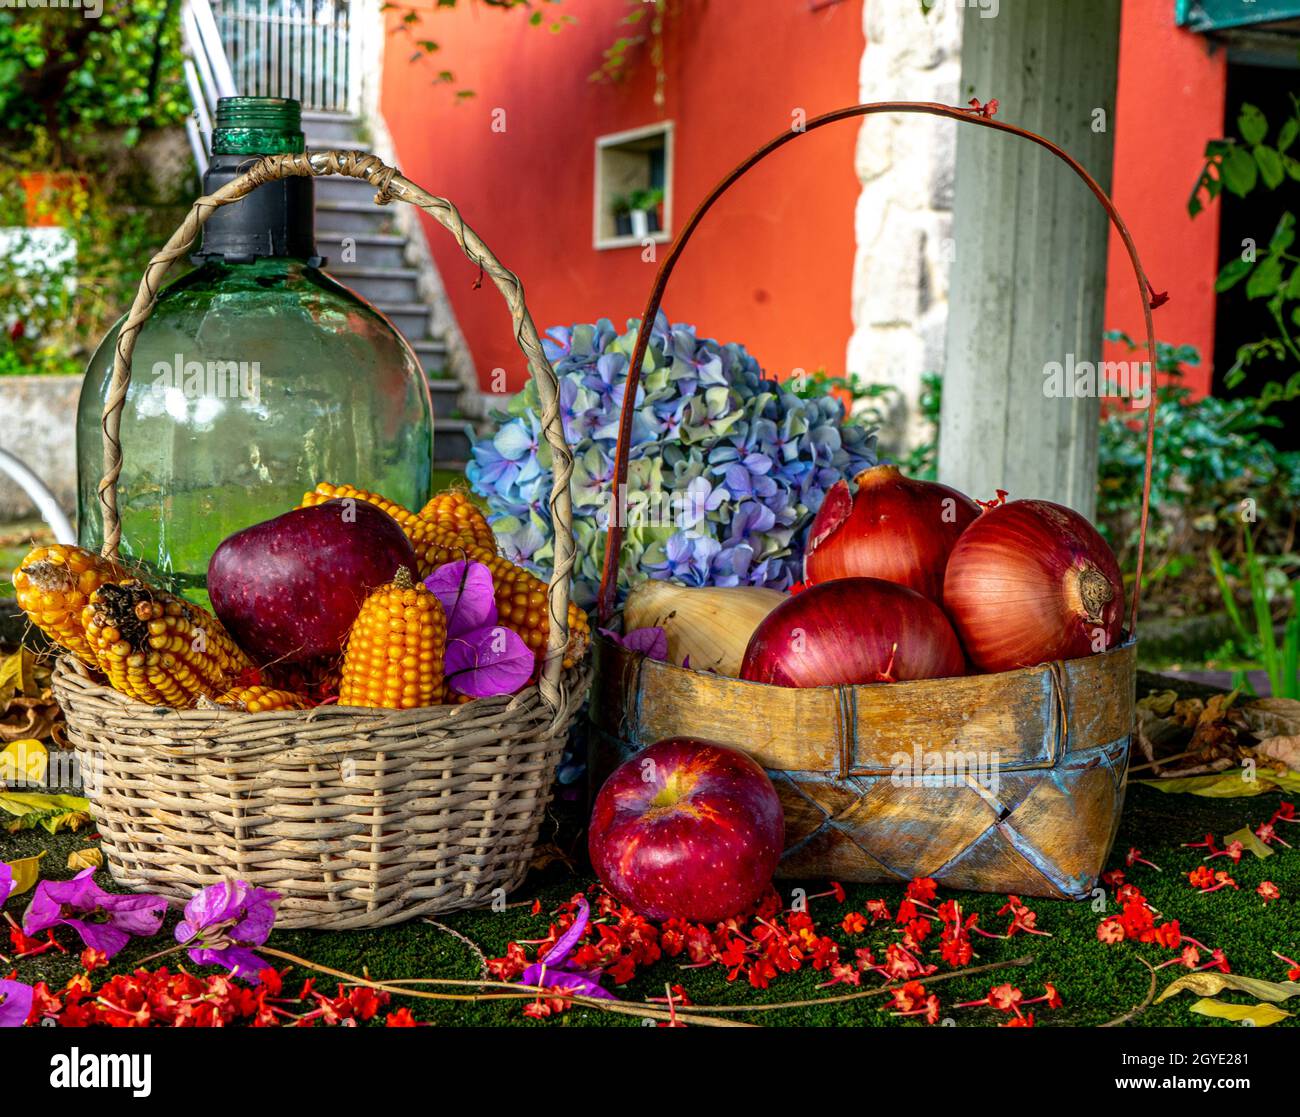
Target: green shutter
x,y
1215,15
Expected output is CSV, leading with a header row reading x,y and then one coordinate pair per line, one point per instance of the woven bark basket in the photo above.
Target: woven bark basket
x,y
357,817
1004,782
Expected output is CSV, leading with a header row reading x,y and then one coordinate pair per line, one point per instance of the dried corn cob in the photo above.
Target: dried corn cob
x,y
453,511
520,595
54,584
258,699
395,648
158,648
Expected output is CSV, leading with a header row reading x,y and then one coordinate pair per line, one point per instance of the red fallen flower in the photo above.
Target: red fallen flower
x,y
1233,850
1293,974
1218,961
92,959
854,923
922,890
1266,833
825,954
909,996
1168,935
1110,931
878,910
1130,893
1269,891
1113,878
1135,858
1208,843
1201,877
1026,1021
402,1018
1050,997
843,974
956,951
509,967
1023,919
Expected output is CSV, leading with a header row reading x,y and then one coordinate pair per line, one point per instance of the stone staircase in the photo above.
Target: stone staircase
x,y
379,271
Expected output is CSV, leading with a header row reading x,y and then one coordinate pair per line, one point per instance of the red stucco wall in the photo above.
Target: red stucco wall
x,y
1170,103
772,265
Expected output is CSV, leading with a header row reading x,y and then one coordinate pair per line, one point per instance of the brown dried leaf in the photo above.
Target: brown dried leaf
x,y
1273,717
1284,749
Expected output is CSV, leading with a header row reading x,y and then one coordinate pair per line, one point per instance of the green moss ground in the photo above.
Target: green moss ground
x,y
1098,982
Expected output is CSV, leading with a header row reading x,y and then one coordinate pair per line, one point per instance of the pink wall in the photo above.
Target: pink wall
x,y
1171,98
772,265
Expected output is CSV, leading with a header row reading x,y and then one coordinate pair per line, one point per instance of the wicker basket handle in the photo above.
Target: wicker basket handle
x,y
389,184
978,115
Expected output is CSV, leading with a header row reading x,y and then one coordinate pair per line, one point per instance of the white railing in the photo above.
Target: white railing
x,y
292,48
207,75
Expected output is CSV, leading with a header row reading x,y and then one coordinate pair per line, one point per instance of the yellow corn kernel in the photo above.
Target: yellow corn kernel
x,y
394,655
54,584
157,648
520,594
259,699
452,510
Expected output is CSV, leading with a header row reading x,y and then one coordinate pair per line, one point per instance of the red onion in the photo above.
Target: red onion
x,y
852,630
1031,581
894,528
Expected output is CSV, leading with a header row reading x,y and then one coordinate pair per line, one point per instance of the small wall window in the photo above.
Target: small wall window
x,y
633,196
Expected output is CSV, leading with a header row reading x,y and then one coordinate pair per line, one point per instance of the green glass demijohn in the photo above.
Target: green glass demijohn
x,y
256,376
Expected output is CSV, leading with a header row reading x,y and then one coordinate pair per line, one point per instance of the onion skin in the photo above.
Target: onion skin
x,y
1032,581
853,631
893,528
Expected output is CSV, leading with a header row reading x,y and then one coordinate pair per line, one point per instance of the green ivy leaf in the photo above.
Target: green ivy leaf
x,y
1233,272
1270,166
1284,234
1265,279
1239,173
1286,137
1252,124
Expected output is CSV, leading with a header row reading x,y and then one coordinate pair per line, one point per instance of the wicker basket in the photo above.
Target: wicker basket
x,y
1029,767
357,817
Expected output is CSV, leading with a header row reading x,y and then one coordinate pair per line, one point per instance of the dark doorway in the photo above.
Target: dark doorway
x,y
1241,320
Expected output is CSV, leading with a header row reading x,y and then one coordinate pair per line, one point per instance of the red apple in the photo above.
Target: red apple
x,y
687,829
288,589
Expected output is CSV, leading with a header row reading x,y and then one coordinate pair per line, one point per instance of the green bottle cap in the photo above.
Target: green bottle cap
x,y
258,126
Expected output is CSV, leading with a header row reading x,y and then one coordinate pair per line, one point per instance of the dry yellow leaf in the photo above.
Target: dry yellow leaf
x,y
23,762
27,871
90,858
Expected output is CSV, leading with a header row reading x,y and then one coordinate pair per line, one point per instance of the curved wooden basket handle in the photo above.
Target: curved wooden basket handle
x,y
614,542
389,185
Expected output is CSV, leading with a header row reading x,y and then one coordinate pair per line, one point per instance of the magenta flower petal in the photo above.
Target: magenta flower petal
x,y
15,1003
223,920
488,661
6,881
650,642
104,920
466,592
551,971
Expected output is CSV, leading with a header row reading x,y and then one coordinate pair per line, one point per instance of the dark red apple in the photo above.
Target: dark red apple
x,y
687,829
288,589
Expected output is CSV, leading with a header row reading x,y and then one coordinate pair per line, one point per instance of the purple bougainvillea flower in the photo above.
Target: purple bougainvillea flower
x,y
6,882
466,593
224,921
553,971
104,921
650,642
487,661
15,1003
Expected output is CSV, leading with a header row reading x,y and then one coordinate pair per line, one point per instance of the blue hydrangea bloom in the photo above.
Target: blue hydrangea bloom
x,y
727,468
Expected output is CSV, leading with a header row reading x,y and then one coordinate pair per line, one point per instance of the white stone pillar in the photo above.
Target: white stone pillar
x,y
904,213
1028,281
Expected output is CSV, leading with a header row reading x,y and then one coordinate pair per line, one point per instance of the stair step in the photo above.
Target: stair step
x,y
381,285
332,127
446,399
344,188
378,250
411,319
451,441
353,217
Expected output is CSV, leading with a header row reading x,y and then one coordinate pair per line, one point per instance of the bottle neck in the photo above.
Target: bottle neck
x,y
278,219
